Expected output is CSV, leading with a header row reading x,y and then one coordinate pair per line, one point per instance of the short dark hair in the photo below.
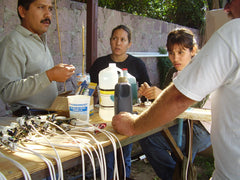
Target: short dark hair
x,y
125,28
183,37
25,4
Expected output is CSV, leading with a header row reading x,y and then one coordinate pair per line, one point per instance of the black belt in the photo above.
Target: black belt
x,y
24,110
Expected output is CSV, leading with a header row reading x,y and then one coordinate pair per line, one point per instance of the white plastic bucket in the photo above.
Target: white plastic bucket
x,y
79,107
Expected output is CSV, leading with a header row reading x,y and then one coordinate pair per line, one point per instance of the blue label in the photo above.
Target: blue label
x,y
79,108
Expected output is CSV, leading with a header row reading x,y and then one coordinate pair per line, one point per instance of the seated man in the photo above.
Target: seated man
x,y
27,74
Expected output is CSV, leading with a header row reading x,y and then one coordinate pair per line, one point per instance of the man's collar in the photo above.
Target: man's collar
x,y
26,32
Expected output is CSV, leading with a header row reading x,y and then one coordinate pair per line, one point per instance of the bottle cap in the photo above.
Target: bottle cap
x,y
125,71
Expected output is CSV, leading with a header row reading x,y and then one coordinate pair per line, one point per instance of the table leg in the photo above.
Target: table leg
x,y
176,150
120,164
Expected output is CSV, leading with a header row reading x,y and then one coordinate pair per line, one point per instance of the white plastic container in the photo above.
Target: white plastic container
x,y
79,107
108,78
133,82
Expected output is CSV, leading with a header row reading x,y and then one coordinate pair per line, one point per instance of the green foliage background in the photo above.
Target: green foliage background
x,y
163,64
190,13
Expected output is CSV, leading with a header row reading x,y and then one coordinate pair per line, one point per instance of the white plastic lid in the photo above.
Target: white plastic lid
x,y
112,65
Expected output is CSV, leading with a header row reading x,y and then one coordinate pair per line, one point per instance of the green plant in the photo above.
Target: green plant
x,y
205,167
190,13
163,64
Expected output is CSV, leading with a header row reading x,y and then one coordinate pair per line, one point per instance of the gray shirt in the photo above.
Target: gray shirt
x,y
24,58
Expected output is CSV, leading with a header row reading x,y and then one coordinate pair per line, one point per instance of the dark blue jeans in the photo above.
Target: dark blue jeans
x,y
127,158
160,155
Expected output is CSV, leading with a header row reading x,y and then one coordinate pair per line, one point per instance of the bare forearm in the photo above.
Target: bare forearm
x,y
165,108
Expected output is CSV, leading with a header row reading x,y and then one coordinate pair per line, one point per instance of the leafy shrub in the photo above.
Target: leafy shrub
x,y
163,64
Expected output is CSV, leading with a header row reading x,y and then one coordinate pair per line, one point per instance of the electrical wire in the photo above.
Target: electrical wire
x,y
47,161
2,177
92,157
109,135
88,151
20,166
81,150
58,159
102,160
79,140
120,147
189,148
100,157
115,173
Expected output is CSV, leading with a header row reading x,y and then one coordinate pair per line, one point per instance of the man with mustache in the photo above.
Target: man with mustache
x,y
215,69
27,73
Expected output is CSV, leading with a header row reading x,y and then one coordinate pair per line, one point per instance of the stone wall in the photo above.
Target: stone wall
x,y
147,34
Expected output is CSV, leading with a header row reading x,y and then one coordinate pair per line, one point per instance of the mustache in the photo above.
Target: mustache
x,y
46,20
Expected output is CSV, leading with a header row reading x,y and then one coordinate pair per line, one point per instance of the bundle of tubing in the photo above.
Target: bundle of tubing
x,y
80,143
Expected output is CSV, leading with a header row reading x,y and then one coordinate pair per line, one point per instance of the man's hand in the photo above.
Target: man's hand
x,y
60,72
123,123
168,105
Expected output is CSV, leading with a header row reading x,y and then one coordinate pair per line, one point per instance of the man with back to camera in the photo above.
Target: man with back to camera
x,y
27,73
216,68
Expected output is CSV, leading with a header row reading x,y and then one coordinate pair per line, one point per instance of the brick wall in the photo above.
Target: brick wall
x,y
147,34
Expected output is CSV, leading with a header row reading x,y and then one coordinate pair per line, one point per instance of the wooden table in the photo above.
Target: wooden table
x,y
70,157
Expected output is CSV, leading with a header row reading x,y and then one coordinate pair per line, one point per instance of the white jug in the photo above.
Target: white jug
x,y
108,78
